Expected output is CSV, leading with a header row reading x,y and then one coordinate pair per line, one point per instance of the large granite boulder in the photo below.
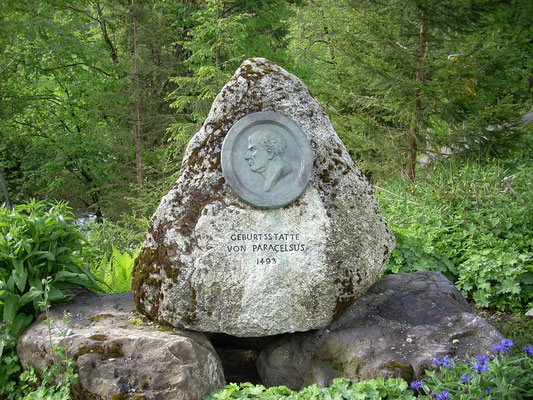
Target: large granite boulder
x,y
211,262
119,356
396,330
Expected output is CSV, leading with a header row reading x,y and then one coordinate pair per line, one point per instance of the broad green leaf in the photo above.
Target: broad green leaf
x,y
29,296
11,284
20,275
21,322
56,295
11,302
27,246
46,255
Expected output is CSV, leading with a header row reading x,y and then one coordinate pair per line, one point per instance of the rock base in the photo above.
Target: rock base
x,y
119,356
396,330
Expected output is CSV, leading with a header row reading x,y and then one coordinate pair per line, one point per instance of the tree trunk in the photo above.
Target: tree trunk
x,y
3,190
137,106
217,46
411,145
103,28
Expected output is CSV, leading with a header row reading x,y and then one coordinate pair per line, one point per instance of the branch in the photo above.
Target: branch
x,y
45,37
65,68
508,187
103,27
73,65
11,62
38,129
86,13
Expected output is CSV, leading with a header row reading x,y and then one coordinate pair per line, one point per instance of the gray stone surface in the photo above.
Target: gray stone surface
x,y
395,330
213,263
115,353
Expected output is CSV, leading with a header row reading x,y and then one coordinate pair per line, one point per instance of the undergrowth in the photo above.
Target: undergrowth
x,y
471,221
503,377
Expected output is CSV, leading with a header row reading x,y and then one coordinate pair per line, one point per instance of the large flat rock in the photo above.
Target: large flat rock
x,y
116,353
395,330
212,262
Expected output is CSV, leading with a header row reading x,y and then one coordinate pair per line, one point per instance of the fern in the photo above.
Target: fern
x,y
115,271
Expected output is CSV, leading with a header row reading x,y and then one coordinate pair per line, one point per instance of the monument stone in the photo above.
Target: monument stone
x,y
270,227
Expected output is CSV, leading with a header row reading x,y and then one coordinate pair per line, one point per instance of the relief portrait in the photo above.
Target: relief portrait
x,y
265,157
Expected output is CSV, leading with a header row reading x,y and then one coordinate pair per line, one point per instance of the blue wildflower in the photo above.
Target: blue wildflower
x,y
528,350
505,345
489,388
416,385
444,361
466,378
443,395
499,348
482,359
480,366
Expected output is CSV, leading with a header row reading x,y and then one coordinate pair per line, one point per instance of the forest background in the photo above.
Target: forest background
x,y
99,98
432,98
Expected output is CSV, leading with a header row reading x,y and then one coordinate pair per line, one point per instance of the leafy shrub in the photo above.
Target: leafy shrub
x,y
517,327
55,382
413,254
115,271
502,377
10,368
38,241
103,238
340,389
471,221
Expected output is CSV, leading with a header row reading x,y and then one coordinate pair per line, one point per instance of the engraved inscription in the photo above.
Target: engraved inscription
x,y
266,246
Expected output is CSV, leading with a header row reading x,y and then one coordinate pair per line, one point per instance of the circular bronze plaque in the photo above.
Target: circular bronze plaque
x,y
267,160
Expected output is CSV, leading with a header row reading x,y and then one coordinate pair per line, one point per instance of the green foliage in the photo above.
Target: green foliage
x,y
68,90
113,249
103,237
515,326
222,34
413,253
115,271
470,221
38,241
505,377
384,80
10,369
55,382
340,389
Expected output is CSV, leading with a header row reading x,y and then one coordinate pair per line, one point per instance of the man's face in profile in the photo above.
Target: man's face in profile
x,y
257,156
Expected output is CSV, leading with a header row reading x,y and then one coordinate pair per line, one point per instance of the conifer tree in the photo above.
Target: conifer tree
x,y
385,75
222,34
